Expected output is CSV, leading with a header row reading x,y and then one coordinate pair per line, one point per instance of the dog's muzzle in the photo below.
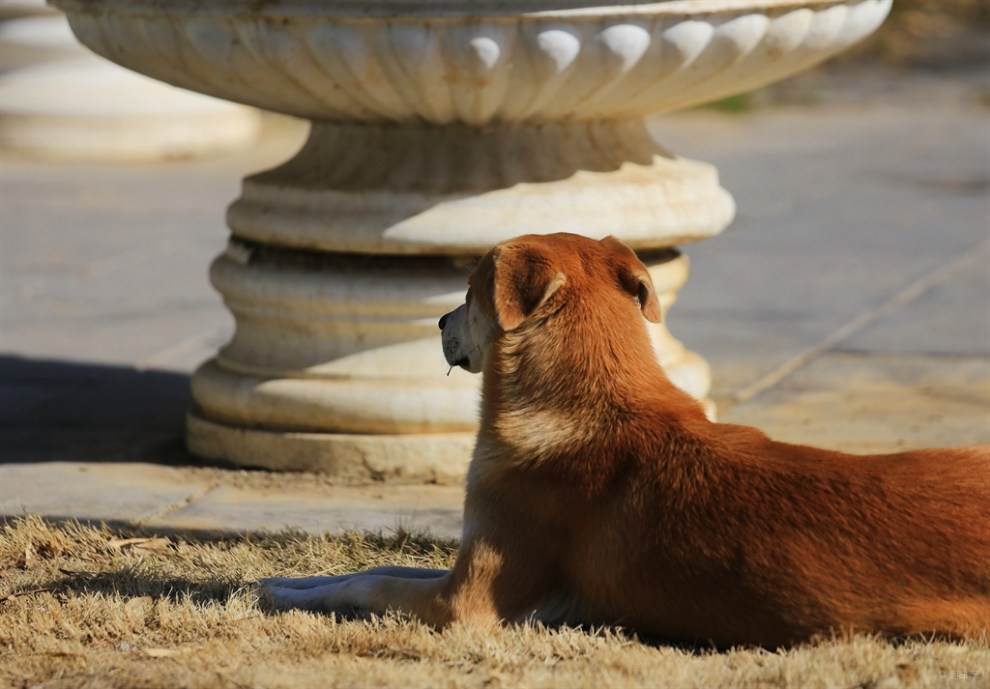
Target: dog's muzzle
x,y
452,350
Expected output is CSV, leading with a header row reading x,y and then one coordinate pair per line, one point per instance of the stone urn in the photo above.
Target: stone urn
x,y
439,128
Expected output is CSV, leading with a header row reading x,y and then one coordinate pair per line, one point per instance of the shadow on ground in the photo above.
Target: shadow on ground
x,y
129,584
75,411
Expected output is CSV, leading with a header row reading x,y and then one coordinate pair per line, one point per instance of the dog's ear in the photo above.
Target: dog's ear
x,y
634,278
524,279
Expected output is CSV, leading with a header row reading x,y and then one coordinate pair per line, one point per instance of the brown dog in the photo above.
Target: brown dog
x,y
600,493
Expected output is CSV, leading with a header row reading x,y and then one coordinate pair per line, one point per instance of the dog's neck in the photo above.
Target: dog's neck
x,y
549,385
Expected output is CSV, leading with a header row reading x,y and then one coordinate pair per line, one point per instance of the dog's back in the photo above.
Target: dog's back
x,y
742,533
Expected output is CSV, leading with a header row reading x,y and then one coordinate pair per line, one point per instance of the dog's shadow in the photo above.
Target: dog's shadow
x,y
85,572
128,583
132,580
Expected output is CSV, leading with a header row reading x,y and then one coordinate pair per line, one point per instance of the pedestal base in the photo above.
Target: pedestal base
x,y
343,259
336,365
428,457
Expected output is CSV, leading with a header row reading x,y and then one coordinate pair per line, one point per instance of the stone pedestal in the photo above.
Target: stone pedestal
x,y
343,258
438,130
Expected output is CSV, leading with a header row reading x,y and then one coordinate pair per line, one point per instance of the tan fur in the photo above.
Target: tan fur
x,y
600,493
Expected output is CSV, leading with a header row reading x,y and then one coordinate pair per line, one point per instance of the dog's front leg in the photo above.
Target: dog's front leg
x,y
419,592
312,582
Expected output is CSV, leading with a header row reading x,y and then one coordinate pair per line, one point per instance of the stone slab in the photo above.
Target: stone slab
x,y
49,443
838,210
876,403
70,103
324,509
216,501
63,410
952,318
743,347
66,223
93,396
115,336
130,492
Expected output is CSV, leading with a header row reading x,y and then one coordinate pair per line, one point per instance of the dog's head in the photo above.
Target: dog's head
x,y
524,280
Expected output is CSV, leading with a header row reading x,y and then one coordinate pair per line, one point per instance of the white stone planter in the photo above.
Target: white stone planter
x,y
439,129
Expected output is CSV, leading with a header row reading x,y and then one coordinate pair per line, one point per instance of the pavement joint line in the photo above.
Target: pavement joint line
x,y
946,356
903,297
174,507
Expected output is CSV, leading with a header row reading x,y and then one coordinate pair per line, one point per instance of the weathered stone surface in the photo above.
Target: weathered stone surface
x,y
434,509
93,491
934,324
518,116
410,457
840,210
877,403
214,502
473,62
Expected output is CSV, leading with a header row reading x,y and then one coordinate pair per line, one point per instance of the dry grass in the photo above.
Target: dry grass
x,y
87,607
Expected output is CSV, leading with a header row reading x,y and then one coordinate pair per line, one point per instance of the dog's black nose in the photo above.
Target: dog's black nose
x,y
443,320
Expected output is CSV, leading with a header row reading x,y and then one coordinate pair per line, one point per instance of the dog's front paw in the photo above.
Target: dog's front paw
x,y
318,594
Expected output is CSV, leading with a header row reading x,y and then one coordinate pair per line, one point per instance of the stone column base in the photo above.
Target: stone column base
x,y
355,386
428,457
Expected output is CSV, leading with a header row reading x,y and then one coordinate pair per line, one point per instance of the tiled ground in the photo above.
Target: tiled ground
x,y
846,306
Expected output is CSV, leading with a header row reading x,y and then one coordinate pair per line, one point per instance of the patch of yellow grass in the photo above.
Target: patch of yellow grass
x,y
86,607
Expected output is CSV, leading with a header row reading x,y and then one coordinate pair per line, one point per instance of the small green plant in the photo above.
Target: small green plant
x,y
737,104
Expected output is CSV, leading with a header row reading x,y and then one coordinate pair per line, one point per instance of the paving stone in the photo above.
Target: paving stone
x,y
50,444
222,501
745,341
328,509
835,216
14,397
98,397
127,492
112,335
69,220
744,346
952,318
873,403
59,410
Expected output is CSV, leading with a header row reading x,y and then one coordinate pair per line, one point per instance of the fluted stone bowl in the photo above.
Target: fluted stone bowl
x,y
470,61
440,127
